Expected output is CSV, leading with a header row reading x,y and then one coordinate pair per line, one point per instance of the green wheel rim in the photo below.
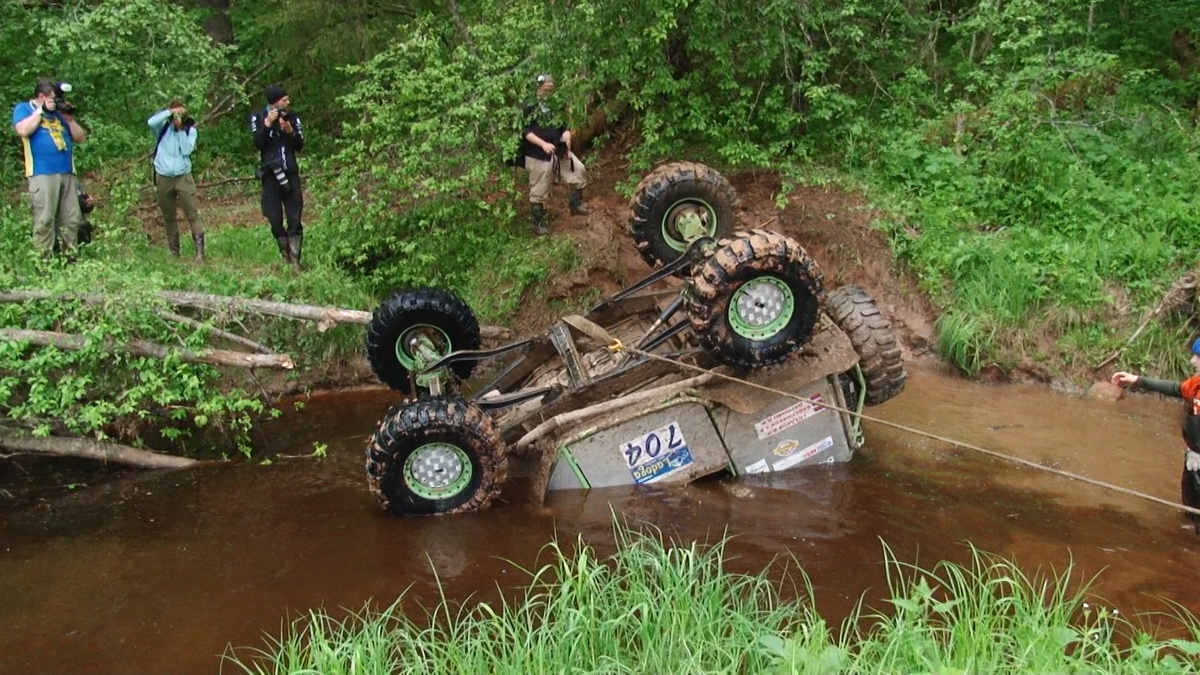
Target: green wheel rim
x,y
761,307
437,471
408,341
688,220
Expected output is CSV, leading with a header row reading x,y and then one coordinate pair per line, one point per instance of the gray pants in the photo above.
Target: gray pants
x,y
542,174
56,212
174,190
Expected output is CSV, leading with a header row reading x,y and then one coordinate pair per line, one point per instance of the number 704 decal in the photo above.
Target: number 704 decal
x,y
657,454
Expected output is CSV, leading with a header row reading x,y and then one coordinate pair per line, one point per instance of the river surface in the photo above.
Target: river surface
x,y
161,573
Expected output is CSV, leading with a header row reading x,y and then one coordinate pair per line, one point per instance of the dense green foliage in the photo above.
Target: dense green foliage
x,y
124,59
657,608
1053,177
1038,159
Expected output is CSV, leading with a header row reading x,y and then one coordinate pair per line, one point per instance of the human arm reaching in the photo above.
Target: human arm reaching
x,y
1165,387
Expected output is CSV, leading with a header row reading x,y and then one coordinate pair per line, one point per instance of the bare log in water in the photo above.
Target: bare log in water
x,y
91,448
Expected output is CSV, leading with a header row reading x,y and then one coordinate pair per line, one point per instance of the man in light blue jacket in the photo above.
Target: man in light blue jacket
x,y
176,133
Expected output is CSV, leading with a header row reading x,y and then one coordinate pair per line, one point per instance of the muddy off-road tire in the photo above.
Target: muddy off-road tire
x,y
870,331
674,196
755,300
437,314
435,456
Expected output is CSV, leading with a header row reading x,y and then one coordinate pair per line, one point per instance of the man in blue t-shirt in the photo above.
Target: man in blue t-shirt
x,y
49,137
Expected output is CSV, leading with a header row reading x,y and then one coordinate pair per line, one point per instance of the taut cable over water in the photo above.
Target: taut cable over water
x,y
616,345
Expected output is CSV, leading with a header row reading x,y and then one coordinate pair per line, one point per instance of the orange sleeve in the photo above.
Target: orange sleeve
x,y
1190,388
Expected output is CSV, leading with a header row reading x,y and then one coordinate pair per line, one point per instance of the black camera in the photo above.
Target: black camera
x,y
61,104
275,170
185,121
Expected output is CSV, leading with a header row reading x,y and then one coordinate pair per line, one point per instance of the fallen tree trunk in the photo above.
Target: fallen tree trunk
x,y
214,357
91,448
324,317
217,332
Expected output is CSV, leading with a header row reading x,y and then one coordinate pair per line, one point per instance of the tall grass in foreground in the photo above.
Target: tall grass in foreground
x,y
653,607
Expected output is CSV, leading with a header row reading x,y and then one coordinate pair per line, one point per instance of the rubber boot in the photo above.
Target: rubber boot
x,y
198,240
538,213
285,249
295,246
173,244
575,200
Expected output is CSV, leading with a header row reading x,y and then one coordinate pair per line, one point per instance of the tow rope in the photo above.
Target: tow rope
x,y
616,346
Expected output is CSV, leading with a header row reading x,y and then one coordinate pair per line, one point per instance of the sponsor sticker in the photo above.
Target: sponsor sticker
x,y
786,448
760,466
797,457
789,417
656,455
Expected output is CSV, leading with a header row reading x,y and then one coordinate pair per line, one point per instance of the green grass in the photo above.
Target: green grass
x,y
656,607
1031,245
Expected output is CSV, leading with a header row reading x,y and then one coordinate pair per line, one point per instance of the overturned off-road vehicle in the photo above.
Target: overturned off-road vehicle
x,y
649,385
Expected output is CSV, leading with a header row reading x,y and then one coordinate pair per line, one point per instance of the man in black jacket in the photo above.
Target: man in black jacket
x,y
546,149
279,136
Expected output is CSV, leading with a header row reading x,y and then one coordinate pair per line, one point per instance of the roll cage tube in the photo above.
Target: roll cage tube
x,y
698,248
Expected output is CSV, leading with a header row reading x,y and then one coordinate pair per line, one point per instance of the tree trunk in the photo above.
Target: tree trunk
x,y
91,448
600,120
324,317
459,24
213,357
217,23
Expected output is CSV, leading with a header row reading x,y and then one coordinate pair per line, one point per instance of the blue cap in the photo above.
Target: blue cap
x,y
1196,347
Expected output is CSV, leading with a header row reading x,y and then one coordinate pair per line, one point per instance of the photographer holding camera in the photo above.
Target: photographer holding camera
x,y
173,180
49,132
546,150
278,135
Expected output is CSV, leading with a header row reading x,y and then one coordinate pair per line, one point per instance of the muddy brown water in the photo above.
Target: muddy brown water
x,y
161,573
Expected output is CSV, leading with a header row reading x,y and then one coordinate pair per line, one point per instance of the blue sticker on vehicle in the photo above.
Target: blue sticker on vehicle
x,y
656,455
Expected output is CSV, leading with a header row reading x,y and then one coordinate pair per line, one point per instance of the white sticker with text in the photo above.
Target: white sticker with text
x,y
810,451
760,466
789,417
